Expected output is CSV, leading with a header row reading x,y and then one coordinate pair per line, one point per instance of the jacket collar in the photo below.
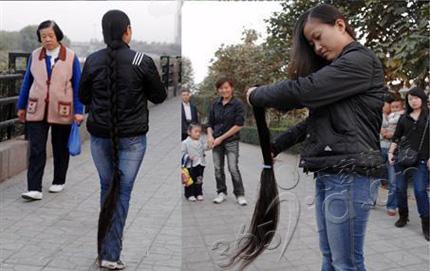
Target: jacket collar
x,y
61,55
352,45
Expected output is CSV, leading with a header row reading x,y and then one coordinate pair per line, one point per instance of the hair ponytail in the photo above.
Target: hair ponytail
x,y
266,213
114,24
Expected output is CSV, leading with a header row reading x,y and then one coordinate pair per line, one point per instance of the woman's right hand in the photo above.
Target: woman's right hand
x,y
391,158
21,115
211,141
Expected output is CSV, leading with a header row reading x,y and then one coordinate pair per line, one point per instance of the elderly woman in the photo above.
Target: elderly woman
x,y
49,98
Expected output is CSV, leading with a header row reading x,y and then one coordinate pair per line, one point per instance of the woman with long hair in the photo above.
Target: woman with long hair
x,y
116,84
49,99
412,134
341,82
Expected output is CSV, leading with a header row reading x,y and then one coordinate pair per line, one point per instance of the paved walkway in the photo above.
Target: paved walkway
x,y
166,233
208,228
59,232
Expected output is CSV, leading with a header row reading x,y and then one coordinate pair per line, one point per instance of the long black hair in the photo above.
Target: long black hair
x,y
303,59
418,92
266,213
115,24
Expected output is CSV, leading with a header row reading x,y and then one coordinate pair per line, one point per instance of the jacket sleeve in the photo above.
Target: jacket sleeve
x,y
153,87
399,133
25,88
184,153
347,76
85,85
240,114
76,77
211,118
289,138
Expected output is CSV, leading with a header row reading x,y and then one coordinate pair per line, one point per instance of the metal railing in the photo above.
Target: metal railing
x,y
9,90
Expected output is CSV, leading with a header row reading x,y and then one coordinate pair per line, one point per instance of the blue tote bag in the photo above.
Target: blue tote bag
x,y
74,143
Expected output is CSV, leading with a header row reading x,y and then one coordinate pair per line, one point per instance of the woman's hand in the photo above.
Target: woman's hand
x,y
21,115
210,141
79,118
248,93
217,141
391,158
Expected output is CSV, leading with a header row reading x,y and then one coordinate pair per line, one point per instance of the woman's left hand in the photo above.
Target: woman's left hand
x,y
79,118
248,93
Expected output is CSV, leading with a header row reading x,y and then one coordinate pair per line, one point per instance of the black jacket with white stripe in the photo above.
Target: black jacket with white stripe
x,y
137,82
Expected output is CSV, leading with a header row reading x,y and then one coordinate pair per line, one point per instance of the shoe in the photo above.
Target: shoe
x,y
425,227
119,265
241,200
220,198
391,212
199,197
55,188
192,198
32,195
403,218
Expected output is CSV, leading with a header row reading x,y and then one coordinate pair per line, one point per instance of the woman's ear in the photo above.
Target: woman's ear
x,y
340,25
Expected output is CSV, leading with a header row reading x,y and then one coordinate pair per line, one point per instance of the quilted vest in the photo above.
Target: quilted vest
x,y
51,97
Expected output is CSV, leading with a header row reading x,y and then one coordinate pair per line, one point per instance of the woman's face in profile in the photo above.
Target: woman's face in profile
x,y
327,40
49,39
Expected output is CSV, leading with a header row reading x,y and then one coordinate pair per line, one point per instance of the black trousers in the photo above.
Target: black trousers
x,y
37,133
196,188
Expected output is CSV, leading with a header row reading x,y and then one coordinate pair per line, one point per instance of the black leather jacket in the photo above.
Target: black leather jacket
x,y
345,100
138,81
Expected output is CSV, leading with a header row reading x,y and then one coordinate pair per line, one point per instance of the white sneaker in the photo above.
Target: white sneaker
x,y
220,198
192,198
112,265
55,188
242,201
199,197
32,195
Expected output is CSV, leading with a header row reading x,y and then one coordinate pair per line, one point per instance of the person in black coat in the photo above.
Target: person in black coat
x,y
189,112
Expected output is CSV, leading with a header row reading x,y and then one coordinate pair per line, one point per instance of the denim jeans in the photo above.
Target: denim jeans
x,y
131,152
420,179
231,150
391,201
37,136
342,207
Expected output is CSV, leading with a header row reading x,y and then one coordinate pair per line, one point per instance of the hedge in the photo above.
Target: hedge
x,y
249,135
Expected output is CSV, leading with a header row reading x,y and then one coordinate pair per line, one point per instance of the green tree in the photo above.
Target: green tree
x,y
187,73
397,31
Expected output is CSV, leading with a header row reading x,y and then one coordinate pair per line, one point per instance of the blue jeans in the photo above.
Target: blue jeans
x,y
342,207
391,201
131,152
420,180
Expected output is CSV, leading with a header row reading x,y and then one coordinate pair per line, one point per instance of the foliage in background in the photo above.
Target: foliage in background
x,y
187,73
397,31
25,40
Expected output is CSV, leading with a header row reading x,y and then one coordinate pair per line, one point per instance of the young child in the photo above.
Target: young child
x,y
396,111
193,153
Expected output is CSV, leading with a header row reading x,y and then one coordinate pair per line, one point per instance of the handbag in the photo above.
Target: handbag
x,y
185,174
74,143
406,156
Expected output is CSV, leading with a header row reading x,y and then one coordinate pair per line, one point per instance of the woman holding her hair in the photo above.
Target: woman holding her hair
x,y
341,82
49,98
116,84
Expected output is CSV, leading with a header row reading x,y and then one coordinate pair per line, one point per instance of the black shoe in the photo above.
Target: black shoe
x,y
403,218
425,226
